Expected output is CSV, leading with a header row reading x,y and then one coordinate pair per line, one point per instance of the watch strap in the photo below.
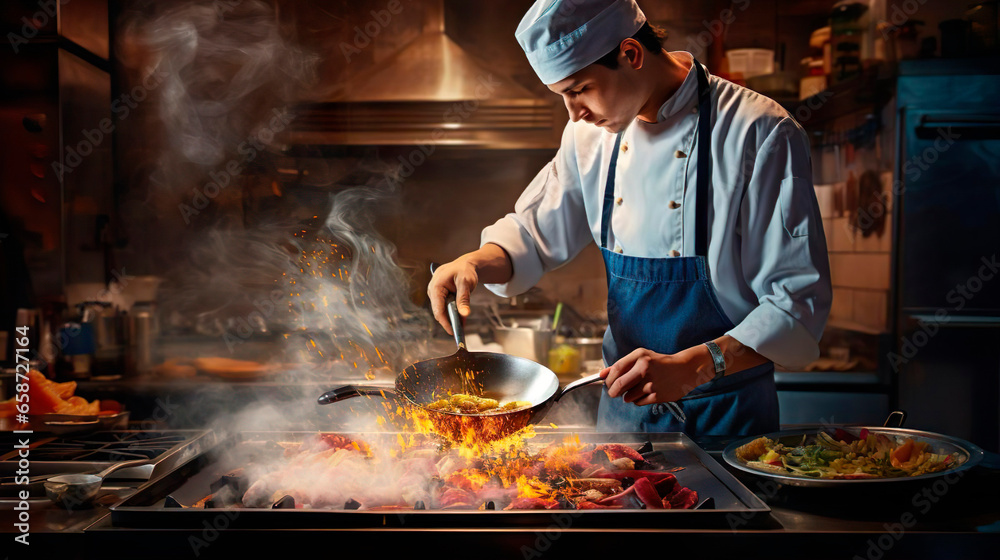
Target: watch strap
x,y
718,359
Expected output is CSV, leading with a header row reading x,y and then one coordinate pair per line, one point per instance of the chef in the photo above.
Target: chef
x,y
699,194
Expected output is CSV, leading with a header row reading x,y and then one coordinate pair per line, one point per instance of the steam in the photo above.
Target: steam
x,y
291,275
225,64
297,275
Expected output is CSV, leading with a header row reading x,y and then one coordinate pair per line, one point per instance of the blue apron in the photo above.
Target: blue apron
x,y
667,305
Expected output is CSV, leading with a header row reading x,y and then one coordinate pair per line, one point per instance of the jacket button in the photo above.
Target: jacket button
x,y
618,249
624,146
619,201
675,253
673,205
680,154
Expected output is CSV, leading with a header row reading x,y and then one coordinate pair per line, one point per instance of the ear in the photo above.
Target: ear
x,y
633,52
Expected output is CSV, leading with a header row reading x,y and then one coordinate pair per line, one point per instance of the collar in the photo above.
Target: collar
x,y
686,95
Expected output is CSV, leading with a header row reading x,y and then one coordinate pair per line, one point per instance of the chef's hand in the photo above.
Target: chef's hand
x,y
458,277
646,377
489,264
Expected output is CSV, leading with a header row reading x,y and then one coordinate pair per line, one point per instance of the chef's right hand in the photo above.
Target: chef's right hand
x,y
459,277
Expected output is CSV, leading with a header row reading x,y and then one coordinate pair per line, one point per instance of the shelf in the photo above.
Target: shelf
x,y
871,91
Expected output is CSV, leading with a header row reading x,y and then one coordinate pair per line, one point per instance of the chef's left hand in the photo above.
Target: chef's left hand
x,y
646,377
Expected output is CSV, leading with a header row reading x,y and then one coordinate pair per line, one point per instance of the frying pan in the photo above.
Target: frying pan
x,y
485,374
969,455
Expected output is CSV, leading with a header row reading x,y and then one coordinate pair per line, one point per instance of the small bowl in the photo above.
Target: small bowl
x,y
73,491
61,424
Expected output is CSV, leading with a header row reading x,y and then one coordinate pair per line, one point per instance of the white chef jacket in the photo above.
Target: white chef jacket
x,y
767,255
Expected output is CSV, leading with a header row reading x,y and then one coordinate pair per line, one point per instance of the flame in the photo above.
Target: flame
x,y
532,488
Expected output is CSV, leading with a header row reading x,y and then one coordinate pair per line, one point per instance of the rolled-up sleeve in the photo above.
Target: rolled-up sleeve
x,y
783,252
548,226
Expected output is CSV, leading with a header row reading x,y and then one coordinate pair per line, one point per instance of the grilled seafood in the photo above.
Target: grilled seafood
x,y
470,404
335,472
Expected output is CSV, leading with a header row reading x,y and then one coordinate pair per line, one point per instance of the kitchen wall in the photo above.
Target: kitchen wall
x,y
353,37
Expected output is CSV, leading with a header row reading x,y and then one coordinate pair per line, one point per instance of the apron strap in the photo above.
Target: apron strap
x,y
704,162
704,170
609,193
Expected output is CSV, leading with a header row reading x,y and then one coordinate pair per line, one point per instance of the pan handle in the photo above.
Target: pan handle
x,y
899,415
350,391
456,323
579,383
453,315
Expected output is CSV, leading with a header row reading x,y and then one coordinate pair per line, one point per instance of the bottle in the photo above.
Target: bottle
x,y
849,38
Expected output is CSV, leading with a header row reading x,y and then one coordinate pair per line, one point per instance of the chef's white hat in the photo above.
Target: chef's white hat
x,y
561,37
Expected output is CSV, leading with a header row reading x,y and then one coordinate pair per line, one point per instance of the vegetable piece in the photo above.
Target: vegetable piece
x,y
41,395
591,505
684,498
647,494
625,498
533,503
902,453
753,450
618,450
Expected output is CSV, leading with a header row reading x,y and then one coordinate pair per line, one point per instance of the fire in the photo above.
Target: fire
x,y
470,435
532,488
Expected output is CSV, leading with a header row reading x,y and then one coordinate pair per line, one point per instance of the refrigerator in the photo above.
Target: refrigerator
x,y
947,354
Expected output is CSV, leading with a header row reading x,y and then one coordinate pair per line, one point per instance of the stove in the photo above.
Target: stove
x,y
165,503
50,455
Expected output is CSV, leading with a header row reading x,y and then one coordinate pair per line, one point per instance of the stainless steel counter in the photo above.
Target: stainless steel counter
x,y
957,520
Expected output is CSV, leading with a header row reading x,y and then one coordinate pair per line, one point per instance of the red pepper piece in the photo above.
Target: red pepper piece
x,y
533,503
591,505
647,493
653,476
664,482
454,496
844,436
619,450
684,499
620,499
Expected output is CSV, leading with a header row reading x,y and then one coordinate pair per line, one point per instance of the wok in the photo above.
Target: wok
x,y
484,374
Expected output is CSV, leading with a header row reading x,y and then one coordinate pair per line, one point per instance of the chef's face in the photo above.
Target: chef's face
x,y
607,98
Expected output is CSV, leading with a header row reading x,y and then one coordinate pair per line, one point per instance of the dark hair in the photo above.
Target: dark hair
x,y
649,36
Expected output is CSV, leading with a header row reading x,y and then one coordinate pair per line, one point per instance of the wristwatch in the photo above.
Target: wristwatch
x,y
718,359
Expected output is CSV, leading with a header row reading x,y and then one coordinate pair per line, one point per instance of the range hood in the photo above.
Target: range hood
x,y
431,92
